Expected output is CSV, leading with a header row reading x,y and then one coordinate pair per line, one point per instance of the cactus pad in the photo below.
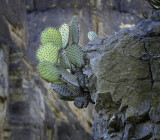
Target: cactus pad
x,y
51,35
63,90
48,72
92,36
48,52
66,98
67,76
64,61
64,30
81,102
75,30
75,55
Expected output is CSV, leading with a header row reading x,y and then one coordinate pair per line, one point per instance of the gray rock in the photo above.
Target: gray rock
x,y
28,108
123,78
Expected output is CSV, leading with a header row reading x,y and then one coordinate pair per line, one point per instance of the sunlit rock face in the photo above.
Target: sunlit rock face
x,y
123,77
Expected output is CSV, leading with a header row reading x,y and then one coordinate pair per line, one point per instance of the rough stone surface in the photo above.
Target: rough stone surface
x,y
30,110
123,77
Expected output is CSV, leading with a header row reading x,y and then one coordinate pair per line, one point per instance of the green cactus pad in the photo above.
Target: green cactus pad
x,y
58,82
75,55
63,63
48,52
64,30
51,35
92,36
49,72
67,76
75,30
63,90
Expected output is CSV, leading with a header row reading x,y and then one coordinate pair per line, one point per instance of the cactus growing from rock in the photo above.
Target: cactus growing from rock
x,y
56,55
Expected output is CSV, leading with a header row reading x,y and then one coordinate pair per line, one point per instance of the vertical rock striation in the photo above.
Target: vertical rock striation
x,y
123,77
29,109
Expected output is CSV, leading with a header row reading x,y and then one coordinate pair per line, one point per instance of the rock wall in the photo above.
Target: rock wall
x,y
105,17
123,77
29,109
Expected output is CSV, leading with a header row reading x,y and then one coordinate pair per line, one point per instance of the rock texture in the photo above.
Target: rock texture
x,y
30,110
123,77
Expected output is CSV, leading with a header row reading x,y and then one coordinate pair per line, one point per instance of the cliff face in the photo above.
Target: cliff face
x,y
123,77
103,17
29,109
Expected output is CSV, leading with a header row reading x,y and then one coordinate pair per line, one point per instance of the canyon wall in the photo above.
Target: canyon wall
x,y
29,109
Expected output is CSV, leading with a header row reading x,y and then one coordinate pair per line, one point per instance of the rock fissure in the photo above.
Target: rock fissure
x,y
149,64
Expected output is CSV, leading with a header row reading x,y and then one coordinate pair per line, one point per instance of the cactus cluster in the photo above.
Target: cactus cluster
x,y
60,58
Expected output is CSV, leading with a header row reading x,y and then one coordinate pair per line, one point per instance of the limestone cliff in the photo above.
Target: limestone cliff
x,y
123,77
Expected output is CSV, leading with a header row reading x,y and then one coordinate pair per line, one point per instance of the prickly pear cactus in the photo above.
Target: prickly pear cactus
x,y
81,102
64,61
49,72
64,30
66,90
92,36
48,52
75,55
51,35
75,30
68,77
61,62
63,90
